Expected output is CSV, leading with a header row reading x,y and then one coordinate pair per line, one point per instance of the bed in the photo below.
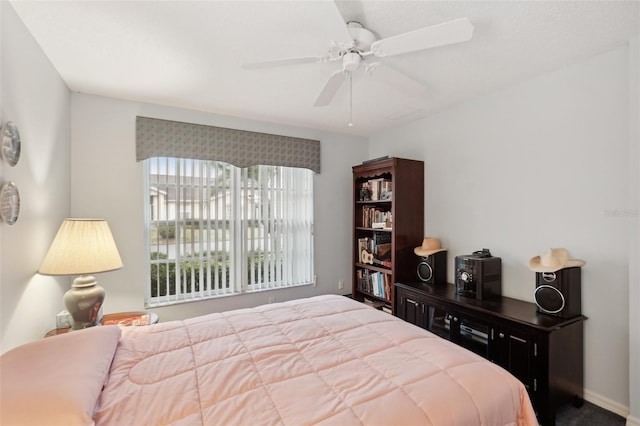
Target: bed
x,y
322,360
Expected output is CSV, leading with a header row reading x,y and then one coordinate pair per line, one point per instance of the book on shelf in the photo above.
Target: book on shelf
x,y
376,283
372,244
381,238
378,189
376,217
388,221
374,186
386,192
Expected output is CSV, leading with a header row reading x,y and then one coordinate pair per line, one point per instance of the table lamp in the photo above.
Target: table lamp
x,y
82,247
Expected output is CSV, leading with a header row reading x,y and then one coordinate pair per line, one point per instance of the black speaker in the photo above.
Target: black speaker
x,y
432,269
559,293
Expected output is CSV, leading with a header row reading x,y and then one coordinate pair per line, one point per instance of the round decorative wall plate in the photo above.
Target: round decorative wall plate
x,y
9,203
10,143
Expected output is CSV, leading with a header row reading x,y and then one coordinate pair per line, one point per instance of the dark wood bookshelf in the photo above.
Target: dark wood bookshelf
x,y
405,179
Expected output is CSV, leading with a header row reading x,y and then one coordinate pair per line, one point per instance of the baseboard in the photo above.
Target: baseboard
x,y
608,404
633,421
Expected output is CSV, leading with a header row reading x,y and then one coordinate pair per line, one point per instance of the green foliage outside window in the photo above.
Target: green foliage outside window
x,y
192,267
166,232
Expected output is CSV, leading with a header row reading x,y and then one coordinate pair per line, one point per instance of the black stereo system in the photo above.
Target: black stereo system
x,y
432,269
479,275
559,293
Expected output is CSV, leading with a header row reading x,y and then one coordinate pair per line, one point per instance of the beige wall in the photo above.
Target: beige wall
x,y
36,99
108,183
538,165
634,233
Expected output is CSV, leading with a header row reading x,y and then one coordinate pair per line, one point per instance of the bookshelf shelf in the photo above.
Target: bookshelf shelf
x,y
373,201
388,223
360,228
373,267
373,296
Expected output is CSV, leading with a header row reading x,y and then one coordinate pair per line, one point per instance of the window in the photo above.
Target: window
x,y
214,229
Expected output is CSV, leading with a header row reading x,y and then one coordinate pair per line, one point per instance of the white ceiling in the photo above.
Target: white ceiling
x,y
189,53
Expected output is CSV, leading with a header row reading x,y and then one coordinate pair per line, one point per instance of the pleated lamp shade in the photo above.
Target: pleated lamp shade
x,y
82,247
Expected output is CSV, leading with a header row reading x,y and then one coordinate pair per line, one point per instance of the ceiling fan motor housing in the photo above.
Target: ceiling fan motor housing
x,y
362,37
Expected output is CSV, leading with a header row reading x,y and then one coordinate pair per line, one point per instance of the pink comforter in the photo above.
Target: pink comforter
x,y
323,360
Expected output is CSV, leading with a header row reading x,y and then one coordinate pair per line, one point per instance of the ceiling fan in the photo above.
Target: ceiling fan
x,y
362,46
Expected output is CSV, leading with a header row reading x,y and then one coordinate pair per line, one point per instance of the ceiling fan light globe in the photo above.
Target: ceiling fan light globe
x,y
351,61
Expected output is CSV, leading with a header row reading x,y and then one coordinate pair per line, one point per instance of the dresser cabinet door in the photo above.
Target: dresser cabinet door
x,y
411,308
439,321
473,334
515,351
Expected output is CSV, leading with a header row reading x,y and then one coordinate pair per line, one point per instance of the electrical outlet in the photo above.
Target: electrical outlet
x,y
340,284
272,299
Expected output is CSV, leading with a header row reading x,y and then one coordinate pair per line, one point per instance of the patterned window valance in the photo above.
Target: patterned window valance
x,y
165,138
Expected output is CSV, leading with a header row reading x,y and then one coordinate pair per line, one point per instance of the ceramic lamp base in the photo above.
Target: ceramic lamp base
x,y
84,302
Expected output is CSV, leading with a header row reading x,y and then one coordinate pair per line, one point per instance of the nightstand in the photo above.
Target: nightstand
x,y
122,319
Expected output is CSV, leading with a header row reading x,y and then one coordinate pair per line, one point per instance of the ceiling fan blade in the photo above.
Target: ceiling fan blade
x,y
331,87
328,13
455,31
398,80
339,29
283,62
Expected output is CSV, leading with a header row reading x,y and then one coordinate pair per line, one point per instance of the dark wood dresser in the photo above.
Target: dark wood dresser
x,y
543,351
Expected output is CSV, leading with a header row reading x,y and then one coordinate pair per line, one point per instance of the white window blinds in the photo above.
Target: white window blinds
x,y
278,213
215,229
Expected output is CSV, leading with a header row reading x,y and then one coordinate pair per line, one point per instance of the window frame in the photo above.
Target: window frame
x,y
239,268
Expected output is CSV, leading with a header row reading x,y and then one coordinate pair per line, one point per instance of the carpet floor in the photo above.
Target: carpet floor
x,y
587,415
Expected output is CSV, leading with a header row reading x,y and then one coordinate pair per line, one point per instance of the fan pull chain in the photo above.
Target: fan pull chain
x,y
350,99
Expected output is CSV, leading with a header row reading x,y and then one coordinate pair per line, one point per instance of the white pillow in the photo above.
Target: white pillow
x,y
56,380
